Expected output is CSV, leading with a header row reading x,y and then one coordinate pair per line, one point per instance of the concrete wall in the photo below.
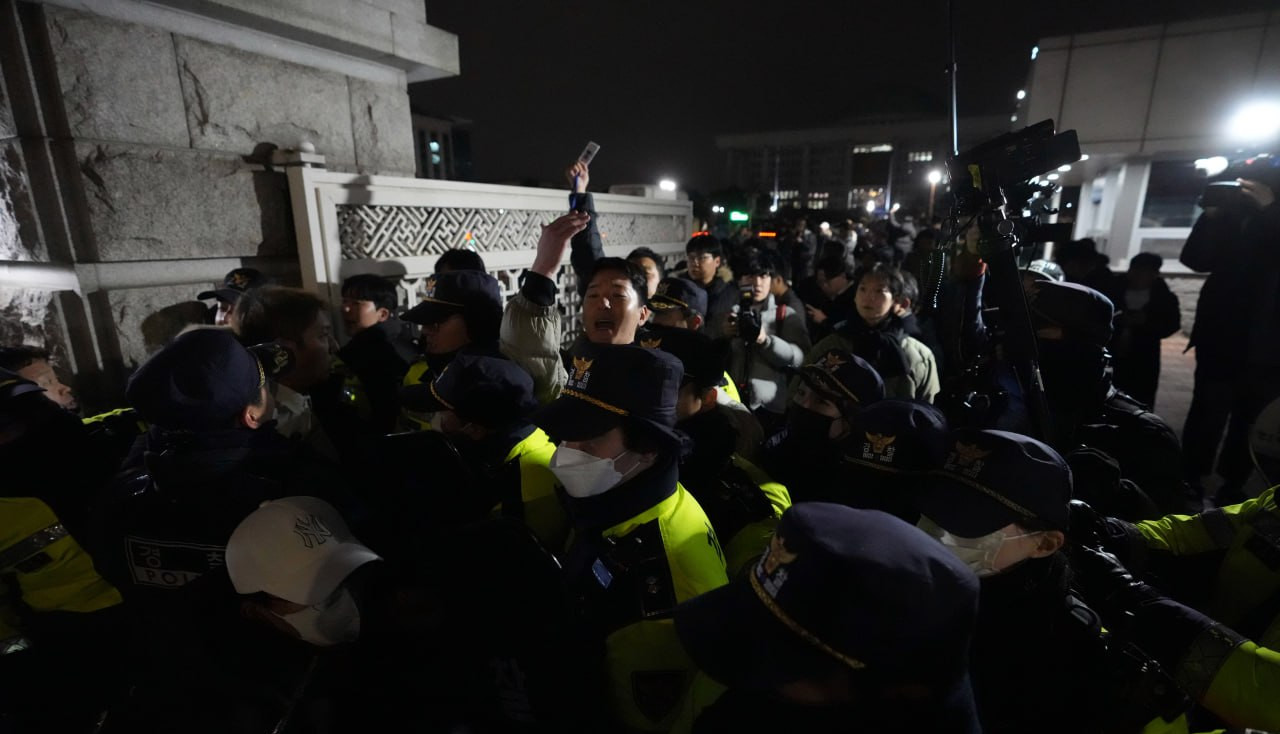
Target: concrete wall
x,y
125,143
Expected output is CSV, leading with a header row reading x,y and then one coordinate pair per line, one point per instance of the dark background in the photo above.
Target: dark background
x,y
653,82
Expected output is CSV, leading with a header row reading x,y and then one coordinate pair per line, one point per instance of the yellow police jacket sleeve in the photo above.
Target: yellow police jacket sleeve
x,y
543,512
1246,690
52,572
1186,535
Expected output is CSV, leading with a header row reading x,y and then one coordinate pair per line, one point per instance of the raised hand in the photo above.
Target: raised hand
x,y
555,240
578,175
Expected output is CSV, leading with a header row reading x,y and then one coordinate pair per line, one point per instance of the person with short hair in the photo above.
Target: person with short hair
x,y
877,335
852,621
835,278
236,283
805,453
56,609
1147,312
459,258
34,364
777,340
210,458
704,255
641,542
651,263
999,503
742,501
377,354
461,312
298,321
482,405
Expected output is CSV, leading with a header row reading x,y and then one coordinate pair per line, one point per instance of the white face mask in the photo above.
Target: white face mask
x,y
331,622
584,475
979,554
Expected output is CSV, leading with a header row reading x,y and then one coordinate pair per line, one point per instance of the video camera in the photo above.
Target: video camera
x,y
1226,192
996,184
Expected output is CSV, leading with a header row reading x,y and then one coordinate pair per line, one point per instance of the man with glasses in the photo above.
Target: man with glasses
x,y
704,256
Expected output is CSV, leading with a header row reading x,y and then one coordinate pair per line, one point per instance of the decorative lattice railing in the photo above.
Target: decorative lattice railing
x,y
349,223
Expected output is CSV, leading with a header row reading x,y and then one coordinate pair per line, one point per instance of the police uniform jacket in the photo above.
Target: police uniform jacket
x,y
639,550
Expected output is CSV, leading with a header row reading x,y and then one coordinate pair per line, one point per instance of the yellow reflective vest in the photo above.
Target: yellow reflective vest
x,y
43,566
541,509
649,673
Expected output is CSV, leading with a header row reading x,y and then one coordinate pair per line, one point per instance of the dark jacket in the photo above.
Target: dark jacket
x,y
721,298
1028,613
1238,315
1136,344
161,536
378,357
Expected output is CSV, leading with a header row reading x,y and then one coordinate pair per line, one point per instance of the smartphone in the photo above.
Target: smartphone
x,y
589,152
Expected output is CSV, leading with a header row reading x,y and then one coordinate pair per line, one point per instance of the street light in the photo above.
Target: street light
x,y
871,206
1022,94
667,184
1255,122
935,177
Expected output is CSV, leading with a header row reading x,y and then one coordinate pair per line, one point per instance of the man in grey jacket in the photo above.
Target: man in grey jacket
x,y
766,340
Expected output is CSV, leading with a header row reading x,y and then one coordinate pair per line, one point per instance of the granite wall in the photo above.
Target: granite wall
x,y
121,143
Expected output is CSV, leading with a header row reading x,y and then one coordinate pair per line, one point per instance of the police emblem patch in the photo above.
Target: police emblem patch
x,y
771,571
831,362
651,343
879,447
581,371
966,459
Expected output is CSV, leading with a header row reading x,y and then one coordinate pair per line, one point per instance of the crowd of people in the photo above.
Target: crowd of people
x,y
776,487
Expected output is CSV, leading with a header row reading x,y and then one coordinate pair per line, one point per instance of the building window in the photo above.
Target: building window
x,y
818,200
878,148
1173,190
920,156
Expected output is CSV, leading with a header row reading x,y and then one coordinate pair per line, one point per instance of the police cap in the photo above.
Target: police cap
x,y
679,293
855,588
236,284
489,391
1082,313
843,378
990,479
459,291
613,383
897,436
200,381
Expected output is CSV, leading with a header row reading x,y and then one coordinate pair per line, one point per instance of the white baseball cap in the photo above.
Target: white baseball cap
x,y
296,548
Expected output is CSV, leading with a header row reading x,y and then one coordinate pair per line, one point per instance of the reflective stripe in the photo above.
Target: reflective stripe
x,y
1204,658
1219,527
31,545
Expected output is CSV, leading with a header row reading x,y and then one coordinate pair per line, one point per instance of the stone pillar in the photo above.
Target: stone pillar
x,y
137,135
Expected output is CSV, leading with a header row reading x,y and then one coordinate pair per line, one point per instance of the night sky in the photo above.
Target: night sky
x,y
653,82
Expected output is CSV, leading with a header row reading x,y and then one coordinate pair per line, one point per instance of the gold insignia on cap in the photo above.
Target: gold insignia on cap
x,y
651,343
239,280
580,367
831,362
663,288
777,555
880,442
968,453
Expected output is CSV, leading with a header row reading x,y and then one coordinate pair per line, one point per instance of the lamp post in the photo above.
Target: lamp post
x,y
934,177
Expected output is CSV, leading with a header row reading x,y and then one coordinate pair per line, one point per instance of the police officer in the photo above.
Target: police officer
x,y
742,502
482,405
460,311
210,458
999,503
1223,562
852,621
680,304
374,360
890,446
236,283
56,611
642,544
805,455
1073,327
1232,677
